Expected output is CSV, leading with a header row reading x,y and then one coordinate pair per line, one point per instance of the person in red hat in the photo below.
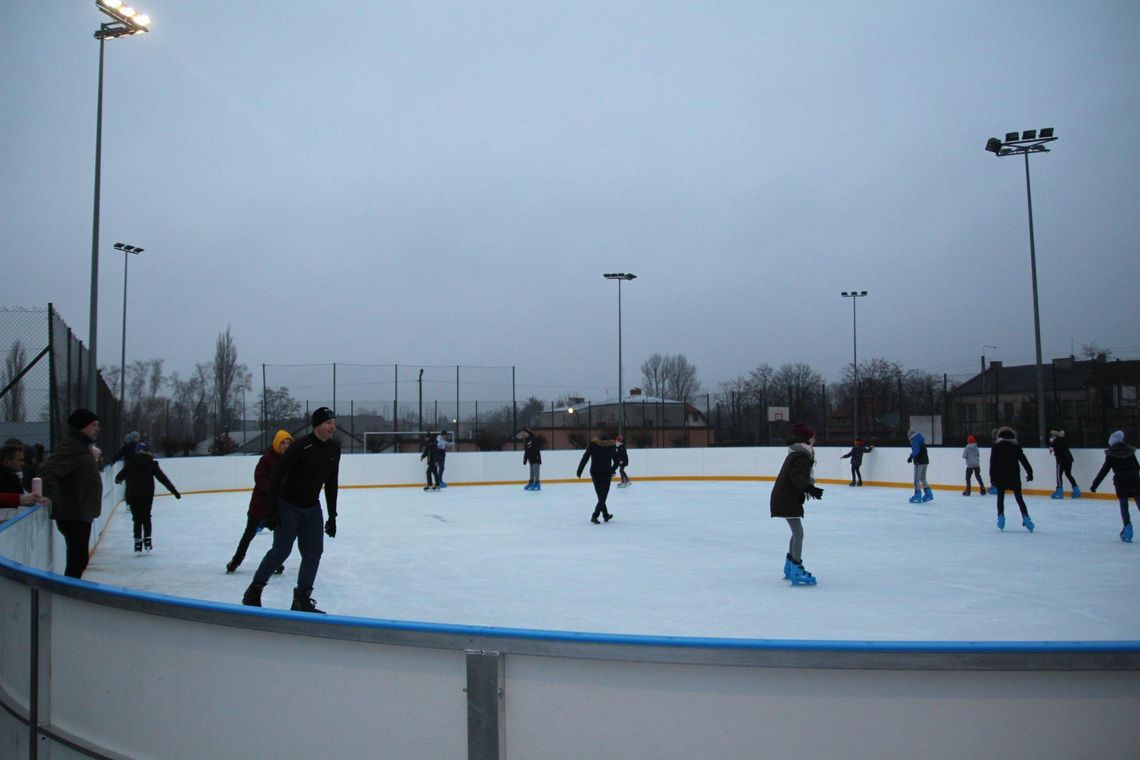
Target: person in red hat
x,y
973,459
856,456
793,486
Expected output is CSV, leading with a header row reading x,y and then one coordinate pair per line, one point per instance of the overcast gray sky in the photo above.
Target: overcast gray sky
x,y
446,182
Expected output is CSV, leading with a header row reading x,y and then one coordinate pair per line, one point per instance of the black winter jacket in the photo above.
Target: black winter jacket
x,y
139,471
621,456
600,454
790,489
1121,459
1005,456
532,454
305,467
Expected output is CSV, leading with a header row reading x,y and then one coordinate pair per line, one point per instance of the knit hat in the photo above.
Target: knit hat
x,y
620,439
971,439
1116,437
279,439
81,418
322,415
800,430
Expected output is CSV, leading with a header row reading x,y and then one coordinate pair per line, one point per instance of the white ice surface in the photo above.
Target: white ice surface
x,y
679,559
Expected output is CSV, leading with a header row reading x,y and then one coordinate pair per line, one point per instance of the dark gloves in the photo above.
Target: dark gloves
x,y
909,459
272,520
579,473
1029,478
1092,490
330,526
177,495
814,492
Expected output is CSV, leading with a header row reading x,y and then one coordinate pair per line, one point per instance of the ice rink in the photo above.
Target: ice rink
x,y
680,558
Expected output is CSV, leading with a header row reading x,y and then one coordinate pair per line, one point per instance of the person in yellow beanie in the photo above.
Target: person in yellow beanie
x,y
259,499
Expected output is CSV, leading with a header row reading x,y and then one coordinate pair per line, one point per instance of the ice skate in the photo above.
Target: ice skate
x,y
607,516
1027,523
982,491
851,484
528,487
992,491
138,546
967,492
441,485
279,571
927,495
302,602
787,566
147,544
1058,494
1076,494
1001,522
801,577
917,498
1126,534
252,595
232,565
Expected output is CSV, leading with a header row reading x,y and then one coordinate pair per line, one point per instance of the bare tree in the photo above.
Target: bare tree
x,y
800,387
14,401
670,376
228,377
653,375
1092,351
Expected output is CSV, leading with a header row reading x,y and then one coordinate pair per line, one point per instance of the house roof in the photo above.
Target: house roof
x,y
1060,375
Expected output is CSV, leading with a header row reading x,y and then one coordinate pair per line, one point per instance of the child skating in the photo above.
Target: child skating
x,y
920,459
1064,456
140,471
1005,475
532,456
1121,459
793,485
621,459
856,456
600,454
973,459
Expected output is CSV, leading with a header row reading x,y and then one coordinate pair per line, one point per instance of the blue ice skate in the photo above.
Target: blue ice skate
x,y
1126,534
801,577
537,486
1076,493
993,490
442,484
917,498
927,494
1001,522
787,568
1027,523
1058,494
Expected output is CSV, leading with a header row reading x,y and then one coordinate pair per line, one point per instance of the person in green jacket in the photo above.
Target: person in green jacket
x,y
73,484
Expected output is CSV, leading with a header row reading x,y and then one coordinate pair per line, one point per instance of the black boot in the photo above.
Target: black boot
x,y
252,595
232,565
302,602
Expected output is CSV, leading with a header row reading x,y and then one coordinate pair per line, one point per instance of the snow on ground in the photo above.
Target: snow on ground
x,y
680,558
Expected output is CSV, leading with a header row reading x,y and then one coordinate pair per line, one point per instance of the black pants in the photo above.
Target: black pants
x,y
439,463
1066,469
1016,495
251,525
977,473
1123,494
856,475
140,513
432,475
77,536
602,489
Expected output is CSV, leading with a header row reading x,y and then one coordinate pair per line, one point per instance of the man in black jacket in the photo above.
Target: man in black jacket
x,y
310,464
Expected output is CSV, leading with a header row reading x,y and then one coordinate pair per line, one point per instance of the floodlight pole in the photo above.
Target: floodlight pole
x,y
855,295
619,276
1029,142
127,250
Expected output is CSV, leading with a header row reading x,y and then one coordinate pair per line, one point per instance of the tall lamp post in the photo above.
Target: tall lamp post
x,y
1029,141
855,295
125,21
127,250
984,426
619,276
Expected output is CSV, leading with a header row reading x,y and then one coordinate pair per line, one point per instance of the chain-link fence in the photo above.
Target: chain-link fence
x,y
44,378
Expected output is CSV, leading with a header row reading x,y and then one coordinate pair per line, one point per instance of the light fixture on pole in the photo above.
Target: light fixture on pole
x,y
126,21
855,295
126,249
619,276
1029,141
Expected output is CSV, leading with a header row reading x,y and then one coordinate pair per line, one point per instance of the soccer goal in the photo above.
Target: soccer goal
x,y
388,442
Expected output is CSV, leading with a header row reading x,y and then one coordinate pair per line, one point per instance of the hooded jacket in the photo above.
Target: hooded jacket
x,y
790,489
972,455
532,453
259,499
1005,456
600,454
1060,447
72,480
139,471
1121,459
917,448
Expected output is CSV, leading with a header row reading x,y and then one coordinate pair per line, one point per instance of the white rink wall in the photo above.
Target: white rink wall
x,y
95,671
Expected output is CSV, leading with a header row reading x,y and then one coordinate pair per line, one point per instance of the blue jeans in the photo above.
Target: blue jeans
x,y
306,526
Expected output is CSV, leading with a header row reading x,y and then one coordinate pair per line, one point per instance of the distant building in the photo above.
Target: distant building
x,y
650,422
1089,399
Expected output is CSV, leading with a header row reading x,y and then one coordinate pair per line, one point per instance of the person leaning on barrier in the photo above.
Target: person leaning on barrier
x,y
73,485
12,493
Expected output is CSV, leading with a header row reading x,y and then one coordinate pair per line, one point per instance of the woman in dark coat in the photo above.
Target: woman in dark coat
x,y
73,484
1005,456
1121,459
140,470
793,486
532,456
259,499
600,454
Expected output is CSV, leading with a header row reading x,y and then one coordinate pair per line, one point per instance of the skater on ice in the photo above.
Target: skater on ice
x,y
430,452
532,456
856,456
973,459
1064,456
311,463
73,484
621,459
920,459
140,470
1121,459
441,444
793,486
259,498
1005,475
600,454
